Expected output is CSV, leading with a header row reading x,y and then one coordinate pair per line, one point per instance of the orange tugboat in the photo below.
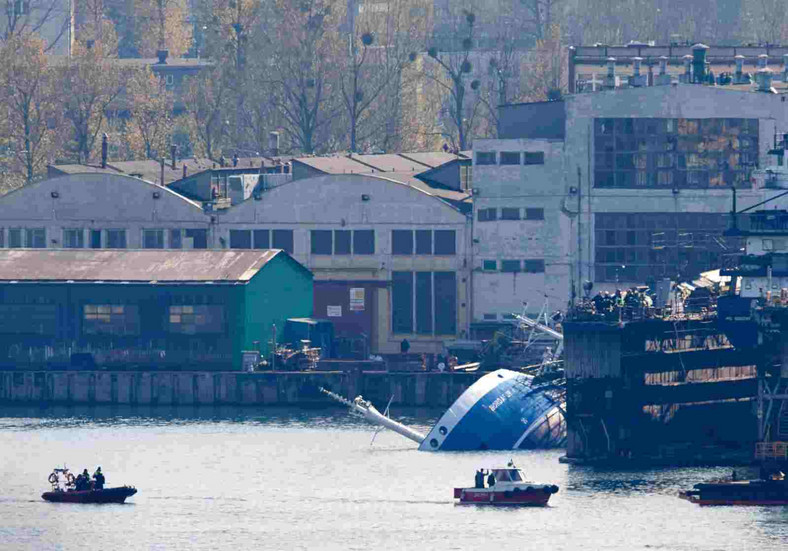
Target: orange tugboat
x,y
505,487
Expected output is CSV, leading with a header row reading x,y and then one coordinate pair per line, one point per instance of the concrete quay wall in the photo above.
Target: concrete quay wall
x,y
237,388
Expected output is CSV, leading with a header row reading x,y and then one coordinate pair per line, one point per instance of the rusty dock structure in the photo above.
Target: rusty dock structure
x,y
651,386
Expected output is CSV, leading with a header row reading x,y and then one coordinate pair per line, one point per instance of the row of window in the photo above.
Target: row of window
x,y
532,266
510,158
124,319
423,242
509,213
424,301
262,239
79,238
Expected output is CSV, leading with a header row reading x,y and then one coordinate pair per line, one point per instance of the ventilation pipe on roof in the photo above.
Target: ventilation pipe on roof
x,y
738,76
663,78
184,170
785,68
764,79
699,63
637,79
273,143
173,152
611,72
763,61
104,147
687,76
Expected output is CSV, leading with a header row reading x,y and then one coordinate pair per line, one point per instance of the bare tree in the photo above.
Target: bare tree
x,y
162,25
90,84
205,101
33,17
97,32
151,114
32,115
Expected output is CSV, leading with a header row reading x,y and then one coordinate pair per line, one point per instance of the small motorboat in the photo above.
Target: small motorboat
x,y
509,487
739,492
64,491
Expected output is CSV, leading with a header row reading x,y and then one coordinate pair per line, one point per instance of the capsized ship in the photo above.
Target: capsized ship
x,y
503,410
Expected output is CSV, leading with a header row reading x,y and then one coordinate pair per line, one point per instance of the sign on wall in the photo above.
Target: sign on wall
x,y
334,311
357,299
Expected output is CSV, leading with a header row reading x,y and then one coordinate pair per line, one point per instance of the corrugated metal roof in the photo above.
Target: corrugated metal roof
x,y
336,164
133,265
434,158
387,162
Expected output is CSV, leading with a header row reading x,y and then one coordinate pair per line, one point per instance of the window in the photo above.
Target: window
x,y
152,239
510,213
111,319
116,239
510,265
424,303
489,265
490,317
262,239
402,242
282,239
14,238
322,242
423,241
402,302
487,215
534,214
175,239
196,239
534,158
445,303
768,245
445,242
73,238
363,241
510,157
192,319
485,158
2,238
240,239
35,238
342,241
21,7
534,266
95,239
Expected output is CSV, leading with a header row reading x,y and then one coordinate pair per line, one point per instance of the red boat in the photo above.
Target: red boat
x,y
509,487
64,491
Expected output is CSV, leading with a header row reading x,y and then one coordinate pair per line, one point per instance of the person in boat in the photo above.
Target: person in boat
x,y
79,483
491,480
479,480
98,476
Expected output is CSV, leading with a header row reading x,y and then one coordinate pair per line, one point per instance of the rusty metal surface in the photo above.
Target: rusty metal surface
x,y
132,265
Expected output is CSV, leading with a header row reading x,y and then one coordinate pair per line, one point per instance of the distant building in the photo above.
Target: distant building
x,y
621,187
154,309
51,20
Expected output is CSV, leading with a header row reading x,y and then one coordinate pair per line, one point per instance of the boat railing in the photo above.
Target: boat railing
x,y
771,450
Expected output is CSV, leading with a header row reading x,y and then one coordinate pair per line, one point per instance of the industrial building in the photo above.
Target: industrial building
x,y
619,187
150,309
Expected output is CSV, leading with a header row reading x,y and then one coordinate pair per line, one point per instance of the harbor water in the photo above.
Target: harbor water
x,y
242,478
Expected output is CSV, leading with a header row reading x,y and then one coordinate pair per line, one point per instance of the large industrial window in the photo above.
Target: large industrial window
x,y
424,303
431,296
31,319
510,265
487,215
402,242
510,213
510,157
485,158
198,237
489,265
262,239
674,153
534,214
36,238
116,239
2,238
402,302
363,241
111,319
191,319
240,239
534,266
445,242
342,241
152,239
95,239
14,238
321,241
176,241
534,158
73,238
639,247
423,241
282,239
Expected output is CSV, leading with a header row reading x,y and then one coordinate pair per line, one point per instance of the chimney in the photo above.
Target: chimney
x,y
184,170
763,61
273,143
738,76
785,68
173,151
104,147
686,78
162,55
663,78
764,79
161,181
637,79
611,73
699,63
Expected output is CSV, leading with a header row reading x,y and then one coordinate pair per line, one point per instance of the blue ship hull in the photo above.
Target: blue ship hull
x,y
503,410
